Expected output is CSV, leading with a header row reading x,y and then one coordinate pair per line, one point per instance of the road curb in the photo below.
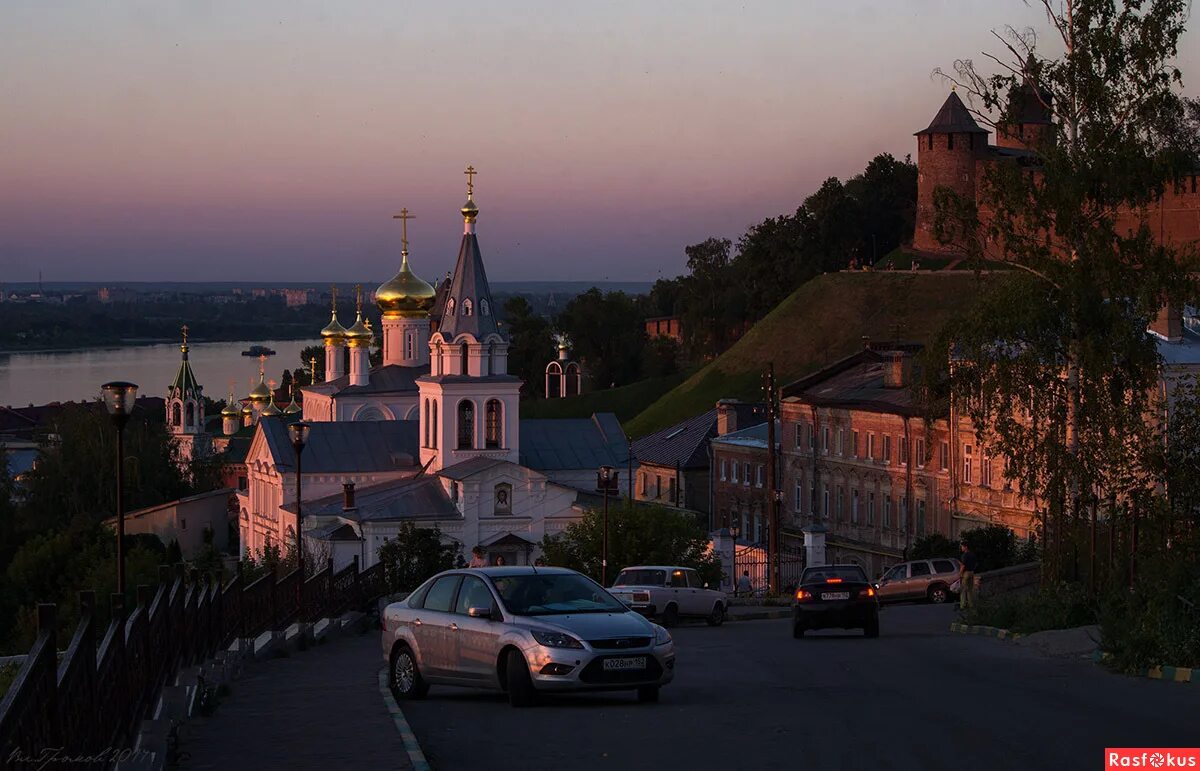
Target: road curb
x,y
986,631
1189,675
761,615
411,745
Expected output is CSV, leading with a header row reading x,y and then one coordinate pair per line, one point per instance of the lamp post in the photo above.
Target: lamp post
x,y
606,475
119,398
299,432
735,530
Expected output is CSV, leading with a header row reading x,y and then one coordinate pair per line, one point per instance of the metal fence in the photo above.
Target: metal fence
x,y
756,563
89,705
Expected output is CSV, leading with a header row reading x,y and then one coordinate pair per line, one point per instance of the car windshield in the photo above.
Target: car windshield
x,y
556,594
641,577
836,572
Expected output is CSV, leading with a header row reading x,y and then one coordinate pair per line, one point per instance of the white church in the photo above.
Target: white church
x,y
432,436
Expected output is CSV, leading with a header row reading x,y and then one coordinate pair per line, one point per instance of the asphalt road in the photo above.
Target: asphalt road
x,y
748,696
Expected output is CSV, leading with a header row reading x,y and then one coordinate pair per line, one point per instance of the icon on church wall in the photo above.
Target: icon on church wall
x,y
503,499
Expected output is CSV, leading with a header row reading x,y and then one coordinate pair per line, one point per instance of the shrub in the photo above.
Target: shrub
x,y
932,546
1058,607
995,546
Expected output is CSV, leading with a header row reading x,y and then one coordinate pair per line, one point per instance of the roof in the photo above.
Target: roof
x,y
391,378
439,301
549,444
419,498
855,382
471,467
469,285
685,445
953,118
238,447
345,446
754,436
334,531
185,383
223,492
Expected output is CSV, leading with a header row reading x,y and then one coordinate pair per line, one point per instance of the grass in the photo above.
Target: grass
x,y
1061,607
822,321
625,401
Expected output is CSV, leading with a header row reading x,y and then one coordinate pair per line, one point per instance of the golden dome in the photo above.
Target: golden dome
x,y
405,294
230,410
247,409
470,210
359,334
260,392
333,331
271,409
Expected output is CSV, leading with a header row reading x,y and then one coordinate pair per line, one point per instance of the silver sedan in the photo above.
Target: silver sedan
x,y
523,630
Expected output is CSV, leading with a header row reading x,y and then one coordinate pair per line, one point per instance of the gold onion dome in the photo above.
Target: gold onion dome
x,y
231,410
247,409
360,333
292,407
333,330
469,209
260,392
405,294
271,409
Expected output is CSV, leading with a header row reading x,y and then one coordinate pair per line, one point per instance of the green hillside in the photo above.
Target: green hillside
x,y
626,401
821,322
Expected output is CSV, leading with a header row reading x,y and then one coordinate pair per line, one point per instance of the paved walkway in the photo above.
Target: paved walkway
x,y
318,709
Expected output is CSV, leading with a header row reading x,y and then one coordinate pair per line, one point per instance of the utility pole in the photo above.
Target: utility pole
x,y
773,539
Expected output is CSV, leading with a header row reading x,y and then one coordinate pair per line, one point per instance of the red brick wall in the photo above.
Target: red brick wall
x,y
942,166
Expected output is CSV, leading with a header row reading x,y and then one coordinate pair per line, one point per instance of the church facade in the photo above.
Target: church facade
x,y
432,436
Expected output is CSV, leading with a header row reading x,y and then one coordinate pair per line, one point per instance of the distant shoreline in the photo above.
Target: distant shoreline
x,y
141,342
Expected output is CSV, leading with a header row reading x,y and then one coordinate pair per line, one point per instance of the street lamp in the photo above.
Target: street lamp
x,y
606,477
119,398
299,432
735,530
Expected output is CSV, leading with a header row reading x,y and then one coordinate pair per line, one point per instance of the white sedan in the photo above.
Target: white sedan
x,y
669,593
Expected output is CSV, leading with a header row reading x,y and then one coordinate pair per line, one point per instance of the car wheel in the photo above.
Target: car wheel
x,y
521,692
647,693
797,630
717,617
670,615
404,676
872,627
938,594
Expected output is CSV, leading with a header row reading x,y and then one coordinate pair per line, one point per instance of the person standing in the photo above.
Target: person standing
x,y
966,577
478,559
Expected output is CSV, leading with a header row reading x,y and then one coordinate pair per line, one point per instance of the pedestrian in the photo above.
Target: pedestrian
x,y
744,584
478,559
499,560
539,563
966,577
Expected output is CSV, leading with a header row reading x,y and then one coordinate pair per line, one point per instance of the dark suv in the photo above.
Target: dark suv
x,y
919,580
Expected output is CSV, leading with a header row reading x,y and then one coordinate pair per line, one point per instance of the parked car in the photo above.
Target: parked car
x,y
919,580
835,597
523,630
670,593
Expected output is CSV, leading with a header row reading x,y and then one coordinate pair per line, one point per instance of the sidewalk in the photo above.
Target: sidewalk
x,y
757,612
300,712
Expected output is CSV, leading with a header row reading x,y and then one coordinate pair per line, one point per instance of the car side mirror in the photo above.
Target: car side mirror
x,y
479,612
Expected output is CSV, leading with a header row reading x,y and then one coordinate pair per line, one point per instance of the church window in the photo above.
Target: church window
x,y
408,346
463,370
467,307
466,425
425,443
503,499
176,415
450,307
191,415
484,310
492,428
433,424
949,141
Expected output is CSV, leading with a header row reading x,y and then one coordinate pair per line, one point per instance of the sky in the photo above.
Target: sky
x,y
273,140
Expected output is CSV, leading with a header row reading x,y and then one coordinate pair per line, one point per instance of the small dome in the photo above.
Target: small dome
x,y
359,333
271,409
260,392
247,409
292,408
333,331
231,410
405,294
469,209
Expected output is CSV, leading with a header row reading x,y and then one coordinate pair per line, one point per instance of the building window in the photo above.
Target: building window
x,y
871,509
887,449
945,456
920,518
736,466
182,523
434,426
463,364
887,511
409,346
870,447
967,463
799,435
812,437
176,415
450,307
985,469
466,308
758,476
642,482
657,486
853,444
724,469
799,497
904,514
672,490
454,492
854,507
747,470
825,440
493,434
425,443
825,502
484,310
466,425
903,451
920,453
841,444
841,503
503,504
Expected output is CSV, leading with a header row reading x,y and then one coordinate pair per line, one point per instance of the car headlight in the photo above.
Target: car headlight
x,y
661,636
555,639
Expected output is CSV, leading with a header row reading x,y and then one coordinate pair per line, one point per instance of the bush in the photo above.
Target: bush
x,y
932,546
1060,607
995,546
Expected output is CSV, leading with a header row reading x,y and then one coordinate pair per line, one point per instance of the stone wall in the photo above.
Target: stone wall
x,y
1014,579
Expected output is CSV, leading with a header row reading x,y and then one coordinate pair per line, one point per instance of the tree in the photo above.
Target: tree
x,y
641,535
531,345
710,298
607,334
660,357
307,355
415,554
1055,367
995,546
932,546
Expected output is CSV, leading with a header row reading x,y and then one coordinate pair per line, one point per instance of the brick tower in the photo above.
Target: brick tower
x,y
946,154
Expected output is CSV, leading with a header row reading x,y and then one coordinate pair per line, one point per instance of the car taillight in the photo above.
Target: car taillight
x,y
834,580
802,595
868,592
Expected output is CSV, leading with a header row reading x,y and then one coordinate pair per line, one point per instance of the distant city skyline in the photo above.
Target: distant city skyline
x,y
274,141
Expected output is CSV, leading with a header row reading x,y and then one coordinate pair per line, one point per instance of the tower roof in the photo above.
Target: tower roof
x,y
953,118
468,307
185,383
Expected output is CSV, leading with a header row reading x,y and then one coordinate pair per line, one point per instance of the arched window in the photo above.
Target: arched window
x,y
493,430
437,359
467,307
433,438
464,360
450,307
408,345
466,425
176,414
484,310
191,415
370,413
425,443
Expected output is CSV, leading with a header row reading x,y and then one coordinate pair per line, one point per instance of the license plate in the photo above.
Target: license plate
x,y
630,662
835,595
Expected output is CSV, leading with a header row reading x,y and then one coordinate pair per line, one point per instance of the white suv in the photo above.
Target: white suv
x,y
669,593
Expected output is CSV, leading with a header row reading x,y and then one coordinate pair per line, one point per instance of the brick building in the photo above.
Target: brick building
x,y
860,459
665,326
954,152
739,479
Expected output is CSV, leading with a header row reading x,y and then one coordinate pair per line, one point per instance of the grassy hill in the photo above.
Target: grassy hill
x,y
821,322
626,401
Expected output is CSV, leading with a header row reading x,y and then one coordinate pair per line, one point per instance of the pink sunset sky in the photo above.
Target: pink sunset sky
x,y
272,141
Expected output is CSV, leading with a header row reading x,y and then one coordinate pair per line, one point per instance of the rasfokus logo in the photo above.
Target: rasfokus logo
x,y
1151,757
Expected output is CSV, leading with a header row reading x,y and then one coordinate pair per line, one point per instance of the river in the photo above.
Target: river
x,y
59,376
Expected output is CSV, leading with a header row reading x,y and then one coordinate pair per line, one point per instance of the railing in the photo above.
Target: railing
x,y
91,704
755,562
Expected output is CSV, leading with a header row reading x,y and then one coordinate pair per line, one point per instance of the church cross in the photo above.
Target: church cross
x,y
262,365
470,172
358,296
184,329
404,217
333,292
312,362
